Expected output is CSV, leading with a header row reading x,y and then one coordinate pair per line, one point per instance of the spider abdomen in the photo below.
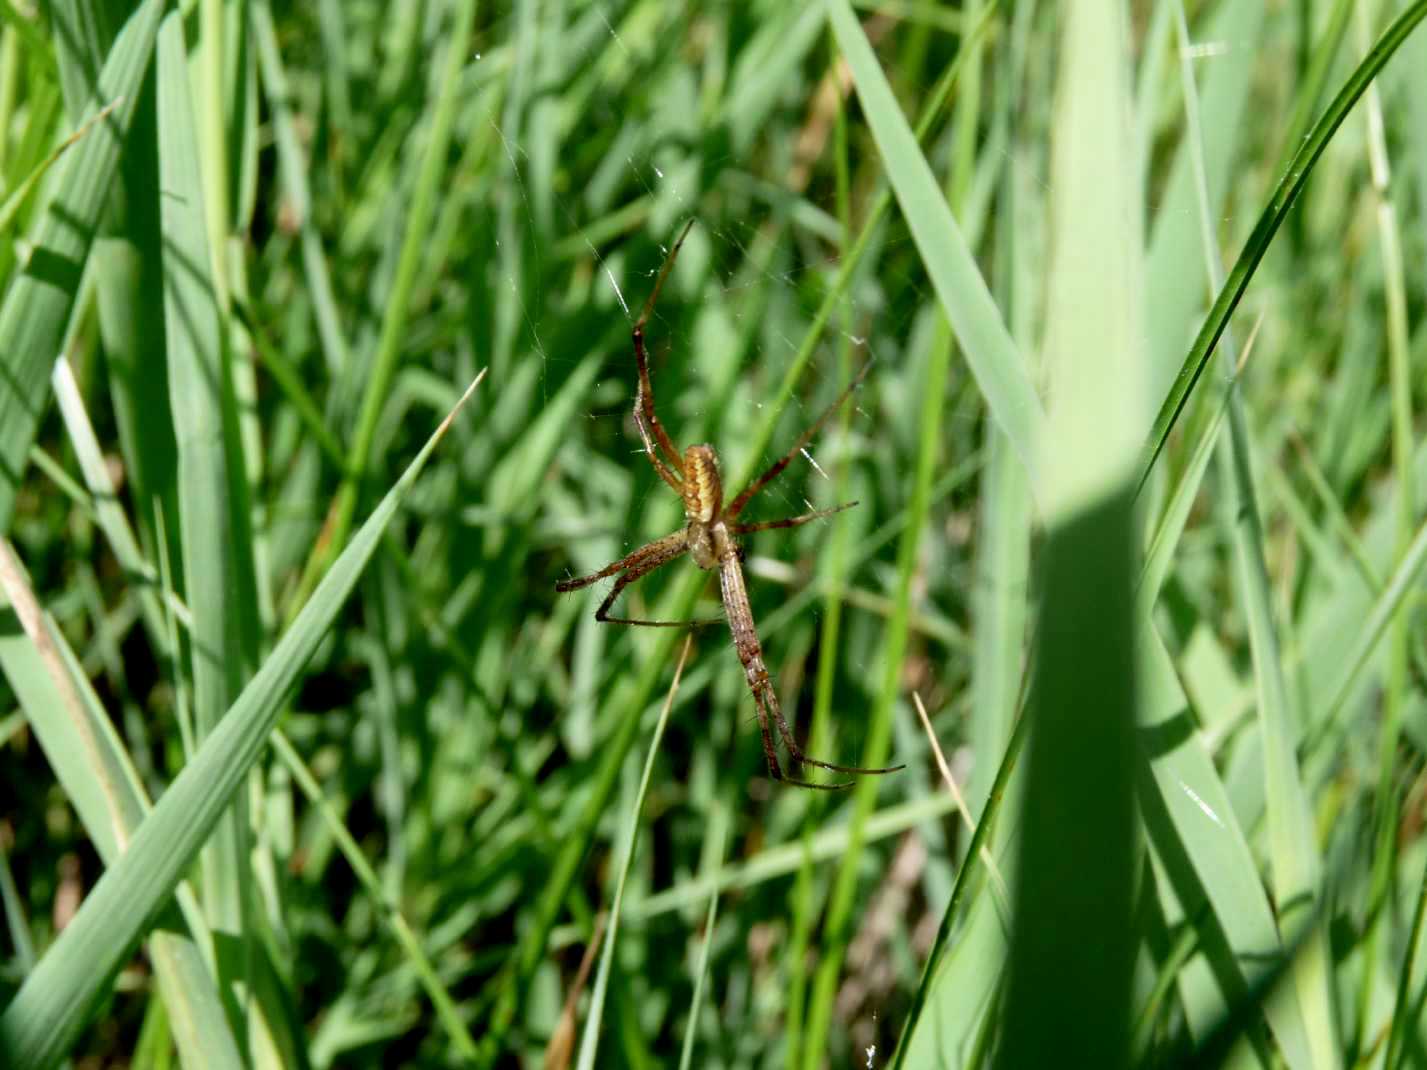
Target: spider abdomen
x,y
703,489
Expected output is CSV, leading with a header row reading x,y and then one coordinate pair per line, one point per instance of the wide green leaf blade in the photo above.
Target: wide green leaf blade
x,y
1063,1006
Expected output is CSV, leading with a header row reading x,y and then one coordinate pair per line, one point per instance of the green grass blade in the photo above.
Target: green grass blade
x,y
43,1019
840,918
1396,695
1293,848
446,1009
37,304
590,1040
984,827
999,368
1290,185
212,495
100,781
17,197
1204,852
1061,1005
294,173
1386,606
1172,307
718,833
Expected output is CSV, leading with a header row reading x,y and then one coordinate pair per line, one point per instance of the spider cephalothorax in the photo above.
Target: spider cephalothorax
x,y
710,537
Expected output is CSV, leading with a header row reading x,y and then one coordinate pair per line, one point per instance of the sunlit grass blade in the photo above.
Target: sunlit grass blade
x,y
41,1022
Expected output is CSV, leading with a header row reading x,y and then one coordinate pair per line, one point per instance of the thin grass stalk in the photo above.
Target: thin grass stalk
x,y
590,1041
717,837
1285,194
1293,849
1395,684
447,1013
837,931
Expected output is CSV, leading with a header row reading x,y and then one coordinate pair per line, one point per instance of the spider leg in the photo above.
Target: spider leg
x,y
602,614
790,522
797,753
630,560
771,754
640,563
644,417
750,653
736,506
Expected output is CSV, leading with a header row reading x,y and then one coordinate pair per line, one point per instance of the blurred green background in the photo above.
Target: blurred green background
x,y
328,218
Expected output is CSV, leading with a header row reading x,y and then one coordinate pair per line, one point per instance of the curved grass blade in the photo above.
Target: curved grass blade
x,y
1284,196
52,1006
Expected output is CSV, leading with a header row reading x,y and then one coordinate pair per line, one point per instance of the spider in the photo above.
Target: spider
x,y
710,538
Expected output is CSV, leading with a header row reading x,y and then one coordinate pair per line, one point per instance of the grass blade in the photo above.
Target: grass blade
x,y
1290,185
51,1007
1061,1005
37,305
212,493
590,1041
999,368
1293,849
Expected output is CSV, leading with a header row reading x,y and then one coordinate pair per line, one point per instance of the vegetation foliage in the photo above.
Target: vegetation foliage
x,y
316,377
